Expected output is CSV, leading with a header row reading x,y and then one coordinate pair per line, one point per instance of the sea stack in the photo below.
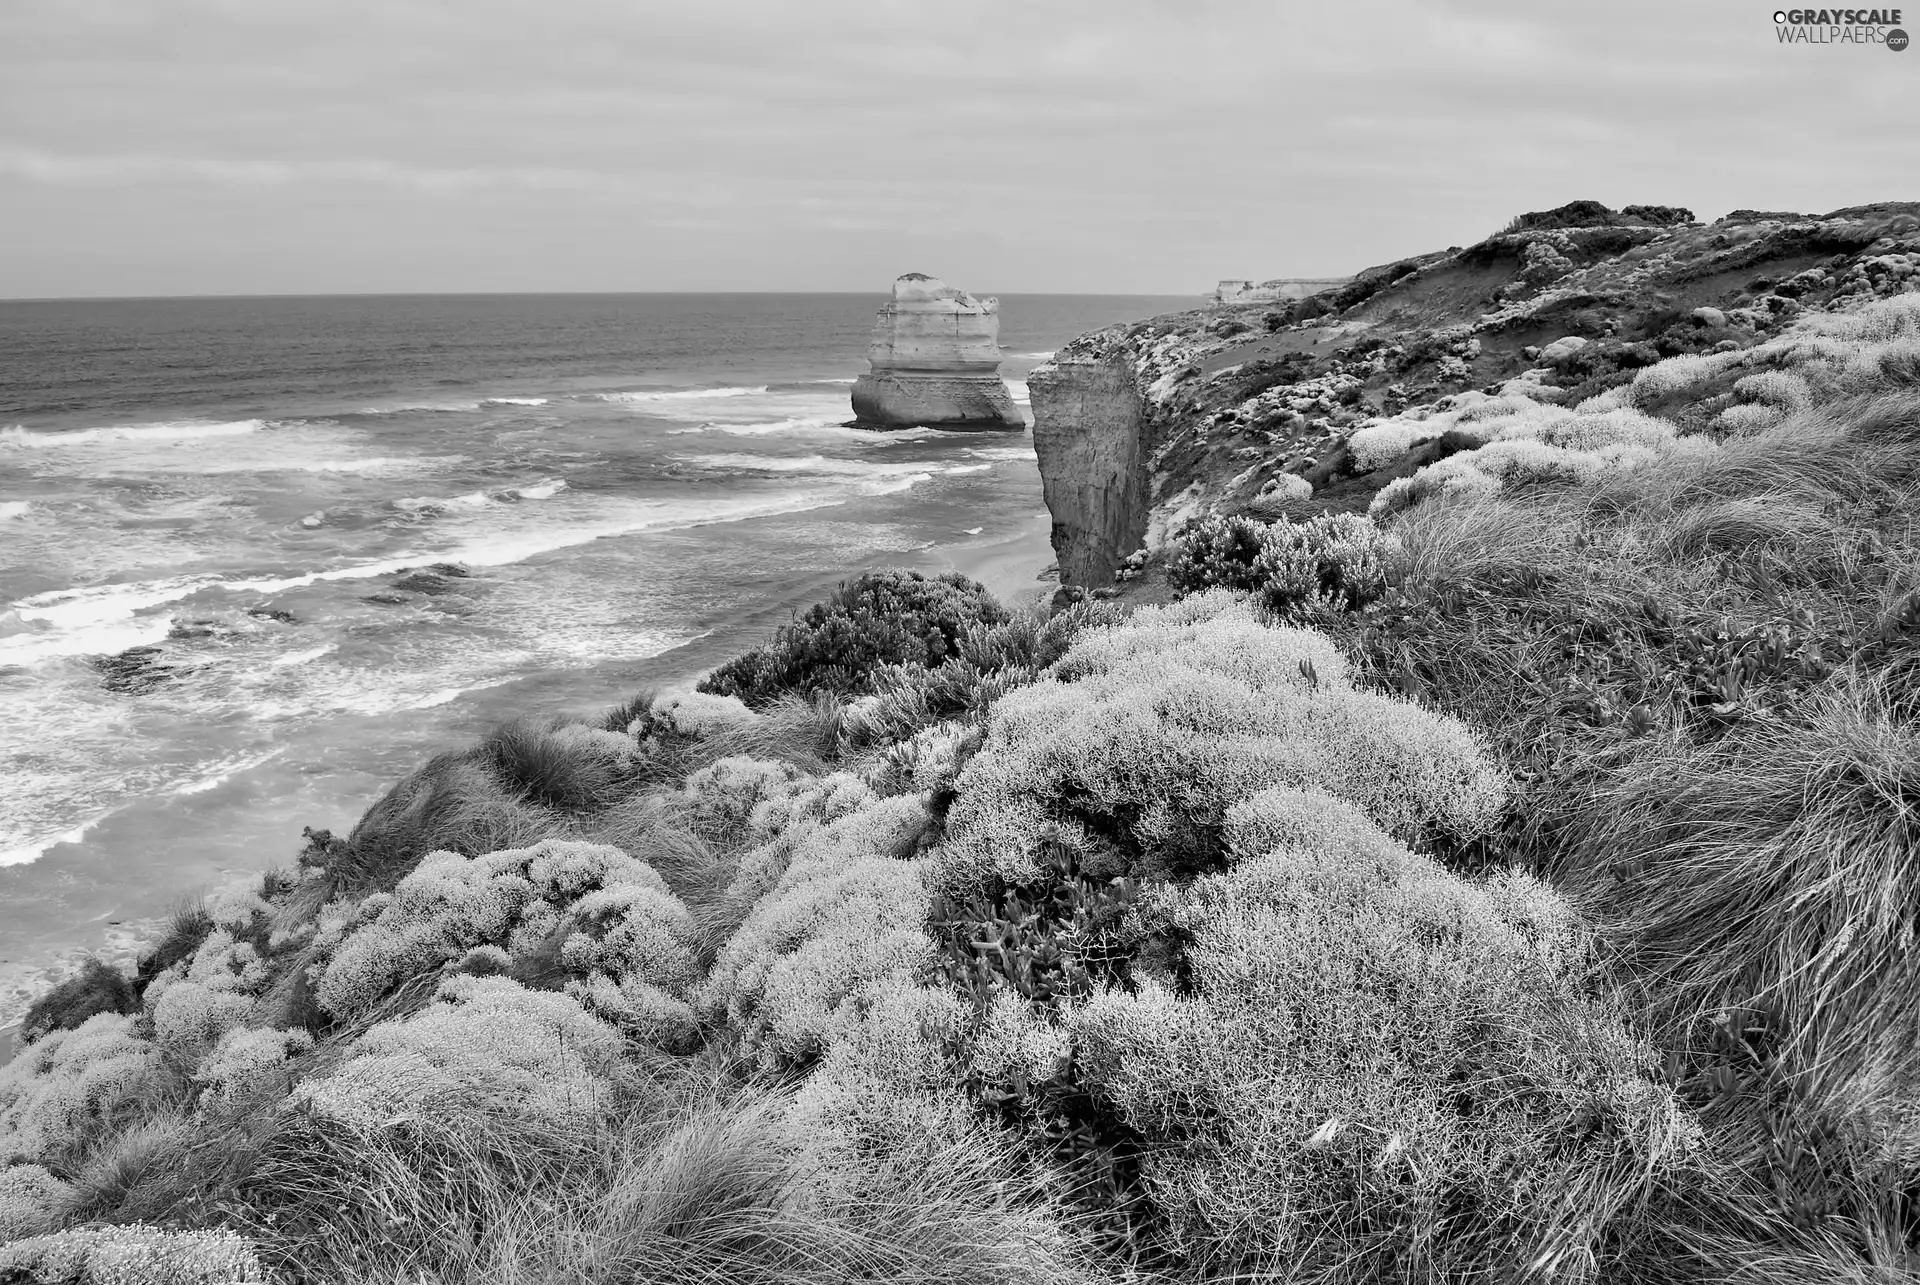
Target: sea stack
x,y
936,362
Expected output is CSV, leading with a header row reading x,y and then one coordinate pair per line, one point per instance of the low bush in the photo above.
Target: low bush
x,y
96,988
1300,571
880,618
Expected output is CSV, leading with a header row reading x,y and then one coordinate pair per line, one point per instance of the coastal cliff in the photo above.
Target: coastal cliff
x,y
1094,443
1253,408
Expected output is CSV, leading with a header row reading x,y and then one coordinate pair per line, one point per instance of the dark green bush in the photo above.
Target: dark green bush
x,y
96,988
1328,564
880,618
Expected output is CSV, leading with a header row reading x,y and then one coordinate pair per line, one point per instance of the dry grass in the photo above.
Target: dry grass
x,y
452,804
1774,872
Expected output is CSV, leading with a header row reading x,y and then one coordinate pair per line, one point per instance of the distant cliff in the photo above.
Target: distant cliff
x,y
1140,425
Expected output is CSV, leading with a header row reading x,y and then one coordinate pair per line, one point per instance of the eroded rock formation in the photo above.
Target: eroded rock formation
x,y
936,362
1093,443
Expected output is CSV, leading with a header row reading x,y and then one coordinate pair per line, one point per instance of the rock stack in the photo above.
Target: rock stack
x,y
936,362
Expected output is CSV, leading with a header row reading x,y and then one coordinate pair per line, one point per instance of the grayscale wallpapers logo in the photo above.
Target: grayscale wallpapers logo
x,y
1840,27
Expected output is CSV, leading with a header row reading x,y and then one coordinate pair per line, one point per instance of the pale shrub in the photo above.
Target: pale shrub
x,y
225,964
133,1255
1622,427
888,1084
1453,476
1748,417
1677,376
700,714
1778,388
30,1199
612,916
823,799
487,1045
1290,486
190,1018
930,759
60,1088
1376,1057
1378,445
842,922
1014,1043
234,906
1158,730
1277,817
721,796
246,1059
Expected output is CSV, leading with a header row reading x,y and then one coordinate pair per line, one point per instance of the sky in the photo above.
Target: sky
x,y
164,147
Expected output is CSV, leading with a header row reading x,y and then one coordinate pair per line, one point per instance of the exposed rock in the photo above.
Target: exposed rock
x,y
1143,425
1712,318
135,670
1236,292
1088,434
272,613
936,362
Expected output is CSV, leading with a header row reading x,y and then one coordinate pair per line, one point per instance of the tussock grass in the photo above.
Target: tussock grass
x,y
452,804
559,765
1774,872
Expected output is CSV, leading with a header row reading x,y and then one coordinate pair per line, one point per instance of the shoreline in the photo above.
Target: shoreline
x,y
1012,566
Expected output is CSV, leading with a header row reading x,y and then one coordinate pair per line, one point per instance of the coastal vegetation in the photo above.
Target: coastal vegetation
x,y
1512,882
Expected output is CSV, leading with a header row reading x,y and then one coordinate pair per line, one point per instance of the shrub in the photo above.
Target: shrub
x,y
30,1201
625,943
1779,388
1748,417
699,714
1132,751
487,1046
841,922
96,988
894,617
123,1255
1302,571
1365,1060
70,1087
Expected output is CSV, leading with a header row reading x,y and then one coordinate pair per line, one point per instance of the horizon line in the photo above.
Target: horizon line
x,y
482,294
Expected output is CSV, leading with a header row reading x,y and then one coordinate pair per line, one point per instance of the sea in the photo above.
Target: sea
x,y
214,514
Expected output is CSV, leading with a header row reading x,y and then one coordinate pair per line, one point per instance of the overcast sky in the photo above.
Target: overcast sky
x,y
1108,146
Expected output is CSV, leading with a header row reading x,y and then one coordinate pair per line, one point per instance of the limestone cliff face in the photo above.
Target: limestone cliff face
x,y
1092,437
936,362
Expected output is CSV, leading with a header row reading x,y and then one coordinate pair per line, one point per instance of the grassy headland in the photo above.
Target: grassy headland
x,y
1516,881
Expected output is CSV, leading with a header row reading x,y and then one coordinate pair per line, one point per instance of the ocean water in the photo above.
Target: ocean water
x,y
231,495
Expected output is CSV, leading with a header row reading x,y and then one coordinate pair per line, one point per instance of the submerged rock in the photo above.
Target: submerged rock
x,y
936,362
133,671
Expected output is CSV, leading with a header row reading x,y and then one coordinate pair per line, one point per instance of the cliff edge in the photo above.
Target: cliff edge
x,y
1253,408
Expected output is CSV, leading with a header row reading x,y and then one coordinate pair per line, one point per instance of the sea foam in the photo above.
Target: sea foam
x,y
165,431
